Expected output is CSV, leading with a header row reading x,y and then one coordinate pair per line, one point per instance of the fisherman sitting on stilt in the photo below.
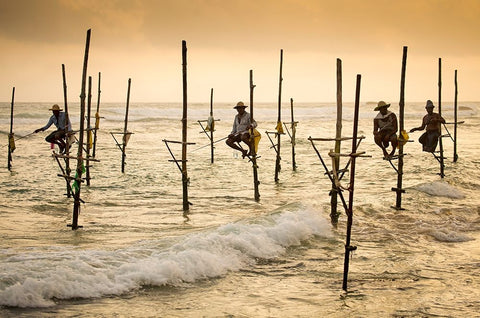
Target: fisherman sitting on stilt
x,y
241,130
58,119
432,124
385,128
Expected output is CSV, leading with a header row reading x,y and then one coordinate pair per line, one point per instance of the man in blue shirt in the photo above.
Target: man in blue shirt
x,y
58,119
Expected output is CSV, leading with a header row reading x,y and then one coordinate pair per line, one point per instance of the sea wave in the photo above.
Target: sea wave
x,y
442,189
37,279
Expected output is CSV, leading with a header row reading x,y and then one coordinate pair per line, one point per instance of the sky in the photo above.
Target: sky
x,y
142,40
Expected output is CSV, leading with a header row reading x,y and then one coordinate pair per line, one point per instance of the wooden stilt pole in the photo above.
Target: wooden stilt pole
x,y
80,166
348,247
254,152
186,206
442,166
125,131
89,129
11,140
333,192
211,128
279,119
401,106
67,170
455,155
97,117
294,128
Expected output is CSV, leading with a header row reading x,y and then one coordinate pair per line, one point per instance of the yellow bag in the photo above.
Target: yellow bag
x,y
403,138
279,127
256,139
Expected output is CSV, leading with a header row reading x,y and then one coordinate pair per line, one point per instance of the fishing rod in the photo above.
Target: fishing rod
x,y
209,144
21,138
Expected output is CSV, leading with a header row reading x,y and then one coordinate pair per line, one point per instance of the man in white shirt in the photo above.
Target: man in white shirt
x,y
385,127
241,130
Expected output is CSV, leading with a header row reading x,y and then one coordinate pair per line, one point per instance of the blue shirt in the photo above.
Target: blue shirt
x,y
60,123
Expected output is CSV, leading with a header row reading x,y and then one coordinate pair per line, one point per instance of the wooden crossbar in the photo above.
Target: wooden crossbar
x,y
178,142
355,154
73,157
334,139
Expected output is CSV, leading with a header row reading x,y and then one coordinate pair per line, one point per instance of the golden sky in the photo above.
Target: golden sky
x,y
141,40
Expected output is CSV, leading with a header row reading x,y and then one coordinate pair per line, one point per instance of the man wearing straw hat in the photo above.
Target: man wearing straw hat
x,y
58,119
432,124
240,131
385,128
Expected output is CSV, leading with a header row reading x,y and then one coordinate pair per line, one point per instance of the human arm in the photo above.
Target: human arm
x,y
50,123
422,127
394,122
234,127
253,124
375,126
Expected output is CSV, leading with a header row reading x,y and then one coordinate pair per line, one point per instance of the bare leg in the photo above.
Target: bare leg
x,y
246,140
394,142
231,143
379,142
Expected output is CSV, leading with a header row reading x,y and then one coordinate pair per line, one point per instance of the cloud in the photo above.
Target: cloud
x,y
142,38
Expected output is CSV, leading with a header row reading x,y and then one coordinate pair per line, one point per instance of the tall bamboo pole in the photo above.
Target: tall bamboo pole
x,y
76,208
279,119
254,152
401,106
89,129
68,170
212,127
97,117
442,167
455,155
294,164
348,247
333,192
125,131
184,128
10,136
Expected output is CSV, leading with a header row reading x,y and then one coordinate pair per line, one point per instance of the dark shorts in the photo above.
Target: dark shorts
x,y
56,135
238,137
429,140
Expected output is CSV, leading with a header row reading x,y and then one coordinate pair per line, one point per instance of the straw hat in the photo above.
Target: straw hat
x,y
56,107
240,105
381,104
429,104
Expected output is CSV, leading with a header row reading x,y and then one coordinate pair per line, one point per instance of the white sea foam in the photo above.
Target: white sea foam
x,y
35,279
449,236
439,188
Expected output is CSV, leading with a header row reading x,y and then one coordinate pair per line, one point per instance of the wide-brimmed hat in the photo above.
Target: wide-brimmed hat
x,y
381,104
240,105
429,104
56,107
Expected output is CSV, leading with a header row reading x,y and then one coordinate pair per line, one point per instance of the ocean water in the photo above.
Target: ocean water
x,y
139,255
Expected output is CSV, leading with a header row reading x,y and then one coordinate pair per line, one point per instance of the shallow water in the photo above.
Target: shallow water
x,y
139,255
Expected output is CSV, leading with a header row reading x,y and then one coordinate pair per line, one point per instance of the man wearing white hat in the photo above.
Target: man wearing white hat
x,y
58,119
385,127
240,131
